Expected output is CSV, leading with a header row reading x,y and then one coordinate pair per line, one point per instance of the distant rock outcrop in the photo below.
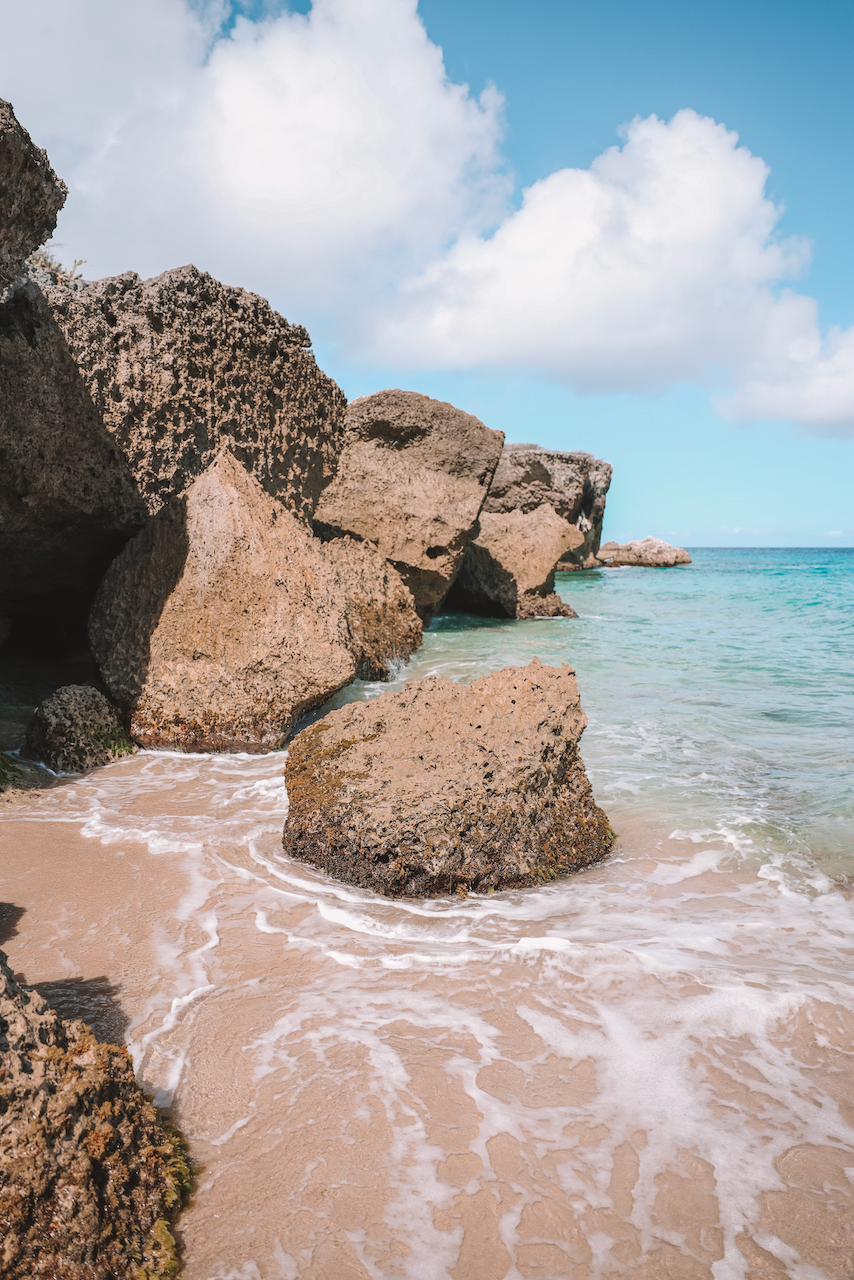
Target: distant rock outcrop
x,y
31,195
224,621
509,569
411,480
75,729
90,1178
574,484
443,788
649,553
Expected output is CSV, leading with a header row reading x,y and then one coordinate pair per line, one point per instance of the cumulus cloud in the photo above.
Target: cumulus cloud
x,y
309,155
326,160
658,264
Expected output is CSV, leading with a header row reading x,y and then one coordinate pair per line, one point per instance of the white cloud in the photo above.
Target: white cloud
x,y
307,156
326,161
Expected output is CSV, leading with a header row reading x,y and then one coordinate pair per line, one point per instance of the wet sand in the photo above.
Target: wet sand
x,y
645,1070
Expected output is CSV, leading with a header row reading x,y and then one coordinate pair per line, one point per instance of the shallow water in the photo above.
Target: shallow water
x,y
645,1070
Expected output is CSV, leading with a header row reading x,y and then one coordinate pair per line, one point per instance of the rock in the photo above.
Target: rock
x,y
574,484
90,1175
444,787
650,553
31,195
509,569
224,621
75,729
412,478
177,365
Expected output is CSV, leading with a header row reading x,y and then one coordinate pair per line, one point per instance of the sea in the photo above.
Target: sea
x,y
645,1070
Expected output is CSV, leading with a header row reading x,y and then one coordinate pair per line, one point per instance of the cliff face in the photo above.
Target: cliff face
x,y
411,480
31,195
574,484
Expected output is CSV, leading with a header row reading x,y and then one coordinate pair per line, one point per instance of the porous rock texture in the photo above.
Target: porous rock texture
x,y
225,620
574,484
90,1177
76,728
648,553
509,569
31,195
444,787
412,478
179,364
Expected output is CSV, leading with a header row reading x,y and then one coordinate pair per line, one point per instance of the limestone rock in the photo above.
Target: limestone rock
x,y
509,569
444,787
574,484
89,1175
179,364
76,728
411,480
650,553
223,621
31,195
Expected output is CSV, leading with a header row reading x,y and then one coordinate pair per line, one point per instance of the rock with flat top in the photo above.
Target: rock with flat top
x,y
574,484
442,787
509,569
90,1176
648,553
31,195
225,620
411,480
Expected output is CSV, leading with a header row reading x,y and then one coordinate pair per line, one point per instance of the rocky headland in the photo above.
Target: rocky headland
x,y
448,788
646,553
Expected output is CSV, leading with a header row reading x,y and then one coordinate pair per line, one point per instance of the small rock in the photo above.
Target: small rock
x,y
76,728
442,787
648,553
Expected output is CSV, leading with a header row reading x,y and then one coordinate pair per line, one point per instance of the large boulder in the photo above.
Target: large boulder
x,y
90,1176
225,620
411,480
76,728
31,195
444,787
509,569
574,484
647,553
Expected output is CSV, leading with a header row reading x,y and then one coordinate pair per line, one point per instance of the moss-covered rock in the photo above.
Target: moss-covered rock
x,y
76,728
91,1176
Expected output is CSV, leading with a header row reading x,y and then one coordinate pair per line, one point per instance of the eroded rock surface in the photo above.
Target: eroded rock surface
x,y
31,195
650,553
574,484
224,620
75,729
509,569
444,787
89,1176
179,364
412,478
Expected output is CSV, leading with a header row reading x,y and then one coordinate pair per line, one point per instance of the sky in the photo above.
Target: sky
x,y
610,227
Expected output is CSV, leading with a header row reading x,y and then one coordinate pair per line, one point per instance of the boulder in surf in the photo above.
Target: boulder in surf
x,y
646,553
448,788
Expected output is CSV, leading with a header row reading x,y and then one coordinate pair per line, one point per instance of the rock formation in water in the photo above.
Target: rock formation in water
x,y
225,620
574,484
31,195
648,553
90,1178
509,569
444,787
411,480
75,729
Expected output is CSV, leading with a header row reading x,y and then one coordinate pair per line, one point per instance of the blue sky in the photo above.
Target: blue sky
x,y
439,205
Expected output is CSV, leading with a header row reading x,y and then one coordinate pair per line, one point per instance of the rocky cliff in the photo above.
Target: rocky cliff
x,y
443,788
31,195
412,478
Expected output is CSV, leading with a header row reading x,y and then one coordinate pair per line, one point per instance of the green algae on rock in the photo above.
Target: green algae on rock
x,y
442,787
76,728
91,1176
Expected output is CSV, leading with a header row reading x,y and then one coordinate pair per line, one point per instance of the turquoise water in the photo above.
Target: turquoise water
x,y
720,696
